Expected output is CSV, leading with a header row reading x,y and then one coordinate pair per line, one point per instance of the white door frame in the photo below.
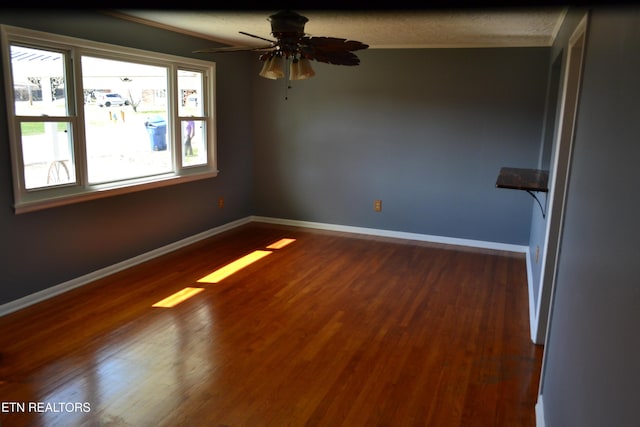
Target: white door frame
x,y
561,162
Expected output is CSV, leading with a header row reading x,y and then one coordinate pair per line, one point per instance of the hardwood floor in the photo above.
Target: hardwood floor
x,y
330,330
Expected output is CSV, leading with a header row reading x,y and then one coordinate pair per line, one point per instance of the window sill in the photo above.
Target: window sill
x,y
93,194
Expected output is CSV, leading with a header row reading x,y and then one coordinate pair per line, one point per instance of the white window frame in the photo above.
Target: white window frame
x,y
27,200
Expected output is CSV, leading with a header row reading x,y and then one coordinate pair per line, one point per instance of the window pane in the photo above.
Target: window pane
x,y
114,122
190,89
47,154
38,82
194,149
125,120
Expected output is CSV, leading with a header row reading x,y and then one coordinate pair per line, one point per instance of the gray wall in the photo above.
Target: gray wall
x,y
42,249
591,371
426,131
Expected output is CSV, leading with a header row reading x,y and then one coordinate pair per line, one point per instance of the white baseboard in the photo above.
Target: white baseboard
x,y
396,234
91,277
539,412
55,290
533,313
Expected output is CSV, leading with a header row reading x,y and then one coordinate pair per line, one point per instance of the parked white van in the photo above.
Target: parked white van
x,y
109,99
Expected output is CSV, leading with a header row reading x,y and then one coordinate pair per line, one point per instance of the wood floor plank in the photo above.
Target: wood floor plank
x,y
333,329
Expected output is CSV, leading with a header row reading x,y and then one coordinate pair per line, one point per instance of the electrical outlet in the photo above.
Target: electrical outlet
x,y
377,205
221,202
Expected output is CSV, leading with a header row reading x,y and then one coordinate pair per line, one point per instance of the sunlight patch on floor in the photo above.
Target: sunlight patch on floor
x,y
280,243
178,297
222,273
233,267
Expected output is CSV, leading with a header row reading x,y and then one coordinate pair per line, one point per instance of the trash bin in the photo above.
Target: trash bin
x,y
157,129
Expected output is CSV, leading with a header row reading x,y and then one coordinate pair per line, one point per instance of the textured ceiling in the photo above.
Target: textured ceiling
x,y
379,29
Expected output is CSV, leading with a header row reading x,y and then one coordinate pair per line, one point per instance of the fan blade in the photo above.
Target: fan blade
x,y
332,50
240,48
334,43
257,37
335,58
233,49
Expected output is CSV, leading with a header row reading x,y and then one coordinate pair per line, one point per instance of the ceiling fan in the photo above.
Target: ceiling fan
x,y
289,55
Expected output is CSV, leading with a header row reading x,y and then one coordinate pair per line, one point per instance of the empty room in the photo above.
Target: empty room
x,y
411,217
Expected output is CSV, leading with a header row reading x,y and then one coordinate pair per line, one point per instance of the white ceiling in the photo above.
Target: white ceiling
x,y
379,29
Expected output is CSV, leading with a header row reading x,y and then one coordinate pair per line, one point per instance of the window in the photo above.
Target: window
x,y
90,120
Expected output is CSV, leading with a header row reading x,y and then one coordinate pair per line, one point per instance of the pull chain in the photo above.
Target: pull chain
x,y
287,78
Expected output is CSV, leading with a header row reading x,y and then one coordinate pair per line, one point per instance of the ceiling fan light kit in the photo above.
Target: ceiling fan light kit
x,y
276,67
272,68
301,69
290,54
